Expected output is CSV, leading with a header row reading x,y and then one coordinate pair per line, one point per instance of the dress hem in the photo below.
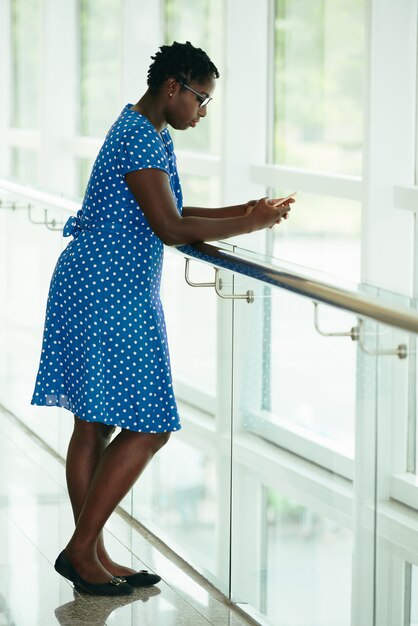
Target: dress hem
x,y
114,424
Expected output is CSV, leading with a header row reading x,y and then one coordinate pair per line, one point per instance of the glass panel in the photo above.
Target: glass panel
x,y
100,43
294,414
304,550
183,500
28,255
395,524
24,165
414,596
323,404
319,70
200,22
412,442
193,347
191,318
26,41
322,233
283,350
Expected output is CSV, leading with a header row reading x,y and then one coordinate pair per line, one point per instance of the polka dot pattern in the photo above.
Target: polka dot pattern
x,y
105,355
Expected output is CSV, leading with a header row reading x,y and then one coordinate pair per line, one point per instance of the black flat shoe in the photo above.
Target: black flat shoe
x,y
115,587
141,579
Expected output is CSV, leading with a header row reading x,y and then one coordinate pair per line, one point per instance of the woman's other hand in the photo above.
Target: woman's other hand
x,y
267,212
283,203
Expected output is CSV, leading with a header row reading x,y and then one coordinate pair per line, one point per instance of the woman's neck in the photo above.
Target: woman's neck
x,y
151,108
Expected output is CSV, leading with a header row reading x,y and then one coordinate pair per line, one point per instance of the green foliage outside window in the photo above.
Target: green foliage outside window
x,y
201,23
25,41
99,65
319,79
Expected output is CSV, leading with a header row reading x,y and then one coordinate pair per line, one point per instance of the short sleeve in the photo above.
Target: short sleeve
x,y
141,148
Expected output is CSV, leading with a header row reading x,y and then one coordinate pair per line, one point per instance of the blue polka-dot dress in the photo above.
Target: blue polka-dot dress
x,y
104,354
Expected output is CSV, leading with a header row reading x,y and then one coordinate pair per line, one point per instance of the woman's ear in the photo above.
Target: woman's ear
x,y
171,85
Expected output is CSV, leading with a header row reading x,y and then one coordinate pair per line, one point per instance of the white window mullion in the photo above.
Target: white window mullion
x,y
389,155
22,138
404,488
245,122
311,446
244,133
308,181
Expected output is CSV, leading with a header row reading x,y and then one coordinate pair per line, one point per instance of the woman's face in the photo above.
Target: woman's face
x,y
184,108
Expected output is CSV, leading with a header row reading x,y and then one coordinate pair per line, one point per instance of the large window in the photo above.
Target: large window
x,y
100,63
323,232
26,47
318,128
201,23
319,66
24,165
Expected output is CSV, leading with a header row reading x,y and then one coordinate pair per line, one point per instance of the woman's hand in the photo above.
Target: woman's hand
x,y
283,203
268,212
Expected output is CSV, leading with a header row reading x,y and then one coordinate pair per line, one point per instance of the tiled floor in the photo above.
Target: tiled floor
x,y
35,523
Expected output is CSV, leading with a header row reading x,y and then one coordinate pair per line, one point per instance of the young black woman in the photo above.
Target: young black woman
x,y
105,356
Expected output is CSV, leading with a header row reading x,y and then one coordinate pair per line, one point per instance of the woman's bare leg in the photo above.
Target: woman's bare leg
x,y
87,444
99,475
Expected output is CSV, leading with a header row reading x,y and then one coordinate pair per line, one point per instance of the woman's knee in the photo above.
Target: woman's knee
x,y
152,441
94,431
155,441
162,439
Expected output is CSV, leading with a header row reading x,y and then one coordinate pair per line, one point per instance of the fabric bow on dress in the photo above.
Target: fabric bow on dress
x,y
72,226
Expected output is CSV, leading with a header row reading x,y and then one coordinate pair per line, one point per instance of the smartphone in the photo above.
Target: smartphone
x,y
280,201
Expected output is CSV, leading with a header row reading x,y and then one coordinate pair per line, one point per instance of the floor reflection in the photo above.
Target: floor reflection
x,y
96,610
6,618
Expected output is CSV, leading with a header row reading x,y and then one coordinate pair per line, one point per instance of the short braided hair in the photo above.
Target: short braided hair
x,y
181,61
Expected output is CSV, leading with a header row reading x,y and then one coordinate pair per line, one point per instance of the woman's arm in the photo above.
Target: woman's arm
x,y
237,210
151,189
233,211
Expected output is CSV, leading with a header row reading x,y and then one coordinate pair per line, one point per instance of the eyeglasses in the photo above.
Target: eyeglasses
x,y
204,100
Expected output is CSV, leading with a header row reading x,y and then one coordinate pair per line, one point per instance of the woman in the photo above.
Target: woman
x,y
105,356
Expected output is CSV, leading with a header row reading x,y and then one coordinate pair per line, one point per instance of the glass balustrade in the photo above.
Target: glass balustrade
x,y
395,487
29,253
292,484
413,600
293,438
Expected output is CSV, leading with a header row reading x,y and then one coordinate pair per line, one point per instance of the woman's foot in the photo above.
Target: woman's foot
x,y
88,566
143,578
112,587
115,568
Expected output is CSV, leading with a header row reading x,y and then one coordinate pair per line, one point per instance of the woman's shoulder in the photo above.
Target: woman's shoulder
x,y
131,123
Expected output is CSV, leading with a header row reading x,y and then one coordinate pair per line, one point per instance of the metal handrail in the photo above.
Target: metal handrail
x,y
42,197
361,304
269,272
